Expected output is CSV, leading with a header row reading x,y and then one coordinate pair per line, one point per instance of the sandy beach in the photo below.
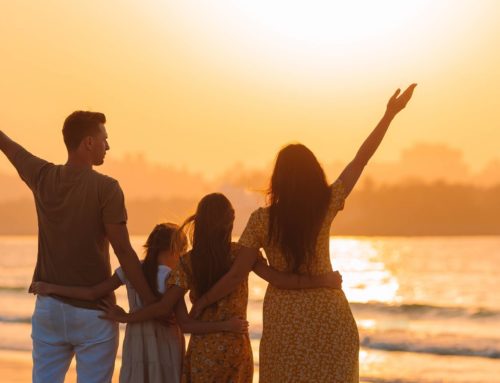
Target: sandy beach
x,y
15,367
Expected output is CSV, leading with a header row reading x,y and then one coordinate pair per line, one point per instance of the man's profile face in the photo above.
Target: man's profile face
x,y
99,146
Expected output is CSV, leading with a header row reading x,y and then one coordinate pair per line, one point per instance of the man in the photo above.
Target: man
x,y
78,211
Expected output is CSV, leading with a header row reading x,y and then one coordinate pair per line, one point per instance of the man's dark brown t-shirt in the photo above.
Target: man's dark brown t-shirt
x,y
72,205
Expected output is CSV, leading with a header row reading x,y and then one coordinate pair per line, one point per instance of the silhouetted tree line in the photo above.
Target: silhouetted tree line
x,y
411,208
417,208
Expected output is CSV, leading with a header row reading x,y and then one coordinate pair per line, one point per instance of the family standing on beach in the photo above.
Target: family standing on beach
x,y
309,333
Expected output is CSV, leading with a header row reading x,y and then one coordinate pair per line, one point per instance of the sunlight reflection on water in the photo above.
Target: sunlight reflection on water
x,y
418,295
365,276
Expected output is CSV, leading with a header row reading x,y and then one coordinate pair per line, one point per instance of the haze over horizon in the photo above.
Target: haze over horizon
x,y
430,190
142,178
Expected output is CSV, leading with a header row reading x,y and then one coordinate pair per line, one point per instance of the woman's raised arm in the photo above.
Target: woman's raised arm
x,y
351,173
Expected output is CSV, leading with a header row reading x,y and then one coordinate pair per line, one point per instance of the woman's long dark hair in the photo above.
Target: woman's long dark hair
x,y
165,236
211,241
298,198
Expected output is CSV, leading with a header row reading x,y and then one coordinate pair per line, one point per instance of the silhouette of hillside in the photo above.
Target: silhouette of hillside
x,y
408,209
142,179
430,190
417,208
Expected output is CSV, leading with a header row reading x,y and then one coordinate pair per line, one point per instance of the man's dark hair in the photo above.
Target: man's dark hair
x,y
81,124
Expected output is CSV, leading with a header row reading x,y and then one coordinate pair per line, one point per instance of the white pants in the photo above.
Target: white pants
x,y
61,331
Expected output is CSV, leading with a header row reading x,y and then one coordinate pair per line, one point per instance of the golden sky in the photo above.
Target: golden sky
x,y
203,84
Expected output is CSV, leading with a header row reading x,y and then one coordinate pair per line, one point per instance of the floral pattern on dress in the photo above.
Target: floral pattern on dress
x,y
218,357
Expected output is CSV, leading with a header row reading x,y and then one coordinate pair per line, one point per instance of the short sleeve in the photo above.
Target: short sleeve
x,y
337,197
29,167
119,272
178,276
113,204
163,274
255,233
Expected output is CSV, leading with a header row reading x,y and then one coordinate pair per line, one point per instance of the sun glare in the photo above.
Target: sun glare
x,y
328,22
312,35
366,276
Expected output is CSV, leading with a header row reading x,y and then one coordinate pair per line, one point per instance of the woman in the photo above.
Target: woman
x,y
308,335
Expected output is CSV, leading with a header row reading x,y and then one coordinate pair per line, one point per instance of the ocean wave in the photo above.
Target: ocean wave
x,y
15,289
412,311
391,341
443,344
422,310
437,343
15,319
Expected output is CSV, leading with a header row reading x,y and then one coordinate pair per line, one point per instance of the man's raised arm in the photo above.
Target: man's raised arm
x,y
8,147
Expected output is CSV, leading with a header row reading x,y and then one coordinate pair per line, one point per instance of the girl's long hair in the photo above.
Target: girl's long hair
x,y
164,237
211,229
298,198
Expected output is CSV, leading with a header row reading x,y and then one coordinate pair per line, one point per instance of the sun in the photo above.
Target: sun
x,y
316,36
316,22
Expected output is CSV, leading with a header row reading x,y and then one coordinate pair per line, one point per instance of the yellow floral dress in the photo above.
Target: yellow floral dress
x,y
218,357
308,335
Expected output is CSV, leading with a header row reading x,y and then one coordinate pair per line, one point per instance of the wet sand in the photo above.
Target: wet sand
x,y
15,367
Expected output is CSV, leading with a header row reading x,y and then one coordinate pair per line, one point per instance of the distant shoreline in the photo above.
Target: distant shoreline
x,y
403,210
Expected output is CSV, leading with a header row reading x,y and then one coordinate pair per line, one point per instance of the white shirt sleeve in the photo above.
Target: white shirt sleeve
x,y
121,275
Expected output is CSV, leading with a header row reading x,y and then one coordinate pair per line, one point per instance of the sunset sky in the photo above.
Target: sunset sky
x,y
203,84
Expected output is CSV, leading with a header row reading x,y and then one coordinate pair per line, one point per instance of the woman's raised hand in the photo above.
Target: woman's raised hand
x,y
398,101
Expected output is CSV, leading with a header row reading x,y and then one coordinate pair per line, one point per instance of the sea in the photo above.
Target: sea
x,y
427,308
